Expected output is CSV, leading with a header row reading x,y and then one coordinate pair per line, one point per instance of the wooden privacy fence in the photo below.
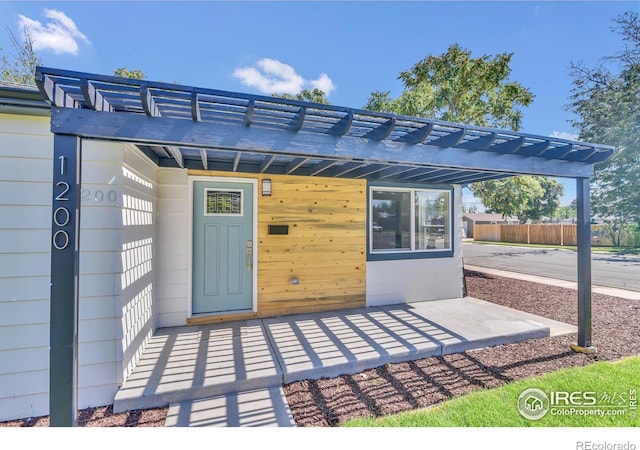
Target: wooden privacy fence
x,y
550,234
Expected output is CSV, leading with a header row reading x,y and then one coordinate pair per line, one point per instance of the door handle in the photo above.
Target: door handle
x,y
249,255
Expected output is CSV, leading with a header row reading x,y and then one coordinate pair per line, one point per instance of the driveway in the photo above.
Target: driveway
x,y
609,270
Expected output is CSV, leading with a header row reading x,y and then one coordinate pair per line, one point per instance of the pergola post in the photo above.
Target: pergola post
x,y
584,344
65,251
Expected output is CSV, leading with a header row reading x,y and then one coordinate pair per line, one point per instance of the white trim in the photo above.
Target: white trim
x,y
189,220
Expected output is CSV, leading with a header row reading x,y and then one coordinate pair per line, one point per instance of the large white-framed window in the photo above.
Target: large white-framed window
x,y
410,220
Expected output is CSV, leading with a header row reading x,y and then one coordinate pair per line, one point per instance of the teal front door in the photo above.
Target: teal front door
x,y
222,247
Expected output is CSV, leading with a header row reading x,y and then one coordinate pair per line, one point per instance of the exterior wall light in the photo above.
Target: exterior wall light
x,y
266,187
294,281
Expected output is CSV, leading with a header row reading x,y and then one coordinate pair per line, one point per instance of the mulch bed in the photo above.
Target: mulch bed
x,y
404,386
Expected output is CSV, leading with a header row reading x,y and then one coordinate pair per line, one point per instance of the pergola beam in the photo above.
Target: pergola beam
x,y
177,155
298,120
341,127
93,97
268,160
294,165
416,136
137,128
248,116
382,131
195,107
148,103
236,161
204,158
321,166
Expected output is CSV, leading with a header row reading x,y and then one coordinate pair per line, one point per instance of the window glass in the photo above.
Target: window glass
x,y
391,221
410,220
223,202
432,226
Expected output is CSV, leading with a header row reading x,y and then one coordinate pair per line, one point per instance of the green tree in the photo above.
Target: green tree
x,y
525,197
458,88
135,74
315,96
20,67
605,99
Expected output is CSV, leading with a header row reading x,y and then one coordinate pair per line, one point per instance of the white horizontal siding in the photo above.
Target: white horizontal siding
x,y
173,245
23,312
30,405
24,241
138,256
414,280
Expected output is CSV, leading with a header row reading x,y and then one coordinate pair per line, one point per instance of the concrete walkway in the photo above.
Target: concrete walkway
x,y
232,374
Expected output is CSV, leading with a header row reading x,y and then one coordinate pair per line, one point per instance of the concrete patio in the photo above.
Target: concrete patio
x,y
232,374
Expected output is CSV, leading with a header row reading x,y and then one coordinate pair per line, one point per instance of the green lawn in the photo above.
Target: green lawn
x,y
498,407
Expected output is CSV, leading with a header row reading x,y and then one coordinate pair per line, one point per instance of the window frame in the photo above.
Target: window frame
x,y
232,190
390,254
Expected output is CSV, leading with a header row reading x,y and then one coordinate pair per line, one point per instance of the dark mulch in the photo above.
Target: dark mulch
x,y
415,384
103,416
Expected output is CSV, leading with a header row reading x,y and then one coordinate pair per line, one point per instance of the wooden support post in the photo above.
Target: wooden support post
x,y
65,250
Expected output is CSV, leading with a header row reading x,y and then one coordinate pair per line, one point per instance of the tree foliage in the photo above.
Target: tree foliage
x,y
525,197
307,95
458,88
20,67
606,99
135,74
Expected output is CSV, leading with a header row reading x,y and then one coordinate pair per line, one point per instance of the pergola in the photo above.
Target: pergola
x,y
191,127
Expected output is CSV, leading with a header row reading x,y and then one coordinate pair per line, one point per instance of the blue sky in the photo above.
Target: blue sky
x,y
347,48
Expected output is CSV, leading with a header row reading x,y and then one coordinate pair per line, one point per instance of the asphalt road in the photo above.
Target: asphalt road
x,y
608,270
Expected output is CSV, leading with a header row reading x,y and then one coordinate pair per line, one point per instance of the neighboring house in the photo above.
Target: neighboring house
x,y
469,220
199,206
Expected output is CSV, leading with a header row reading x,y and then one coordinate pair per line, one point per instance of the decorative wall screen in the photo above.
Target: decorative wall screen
x,y
222,202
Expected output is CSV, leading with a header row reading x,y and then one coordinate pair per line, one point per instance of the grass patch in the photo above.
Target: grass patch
x,y
594,248
498,407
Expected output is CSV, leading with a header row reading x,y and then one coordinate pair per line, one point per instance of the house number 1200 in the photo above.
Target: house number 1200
x,y
61,215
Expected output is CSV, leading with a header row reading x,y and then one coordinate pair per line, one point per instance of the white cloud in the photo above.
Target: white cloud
x,y
564,135
271,76
323,83
60,34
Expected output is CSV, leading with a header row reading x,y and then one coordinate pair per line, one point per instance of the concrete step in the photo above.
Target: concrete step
x,y
266,407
